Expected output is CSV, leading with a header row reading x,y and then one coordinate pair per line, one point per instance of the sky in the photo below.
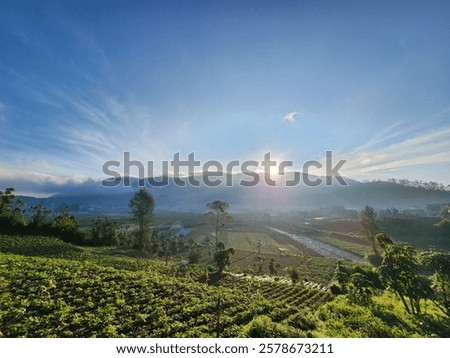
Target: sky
x,y
82,82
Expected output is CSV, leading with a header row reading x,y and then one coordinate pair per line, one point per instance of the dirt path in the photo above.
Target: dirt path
x,y
321,247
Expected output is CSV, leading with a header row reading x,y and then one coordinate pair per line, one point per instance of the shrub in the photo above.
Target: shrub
x,y
264,327
374,259
104,232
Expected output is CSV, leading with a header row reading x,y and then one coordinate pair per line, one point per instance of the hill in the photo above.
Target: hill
x,y
93,197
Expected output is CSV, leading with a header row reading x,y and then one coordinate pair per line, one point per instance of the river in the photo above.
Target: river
x,y
321,248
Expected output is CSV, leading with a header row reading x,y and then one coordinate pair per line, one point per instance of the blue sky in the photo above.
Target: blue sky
x,y
84,81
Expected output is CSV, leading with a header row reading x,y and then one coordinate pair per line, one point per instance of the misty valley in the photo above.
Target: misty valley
x,y
129,265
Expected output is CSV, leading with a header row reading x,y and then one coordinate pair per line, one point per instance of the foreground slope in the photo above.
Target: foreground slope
x,y
89,295
49,288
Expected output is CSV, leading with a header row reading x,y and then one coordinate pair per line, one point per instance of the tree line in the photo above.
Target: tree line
x,y
43,221
107,232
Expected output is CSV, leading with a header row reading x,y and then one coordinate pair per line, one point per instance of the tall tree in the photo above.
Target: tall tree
x,y
218,216
141,208
370,228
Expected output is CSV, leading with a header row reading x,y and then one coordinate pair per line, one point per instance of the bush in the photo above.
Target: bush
x,y
294,275
374,259
336,289
194,257
104,232
264,327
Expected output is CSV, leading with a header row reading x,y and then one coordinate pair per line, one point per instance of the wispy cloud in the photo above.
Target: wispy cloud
x,y
291,117
379,156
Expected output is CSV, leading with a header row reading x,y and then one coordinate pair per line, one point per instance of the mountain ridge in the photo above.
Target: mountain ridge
x,y
93,197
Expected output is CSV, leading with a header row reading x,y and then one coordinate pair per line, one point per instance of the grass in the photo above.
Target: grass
x,y
385,317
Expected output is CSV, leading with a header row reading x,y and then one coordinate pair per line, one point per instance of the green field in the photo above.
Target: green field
x,y
65,291
249,241
49,288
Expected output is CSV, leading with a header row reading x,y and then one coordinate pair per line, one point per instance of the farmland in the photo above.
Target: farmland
x,y
66,291
252,241
49,288
278,283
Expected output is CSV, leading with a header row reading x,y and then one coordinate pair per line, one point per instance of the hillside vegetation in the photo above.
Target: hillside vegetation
x,y
49,288
73,292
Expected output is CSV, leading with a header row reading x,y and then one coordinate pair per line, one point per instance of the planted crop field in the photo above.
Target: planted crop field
x,y
317,269
88,295
250,241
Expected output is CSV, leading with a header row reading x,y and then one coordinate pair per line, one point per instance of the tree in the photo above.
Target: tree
x,y
294,275
65,223
259,265
218,216
273,267
370,228
222,257
439,264
342,275
399,273
360,289
7,199
384,241
141,209
443,225
40,214
67,228
104,232
11,207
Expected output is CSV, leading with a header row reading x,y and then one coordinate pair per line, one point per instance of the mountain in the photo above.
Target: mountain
x,y
94,197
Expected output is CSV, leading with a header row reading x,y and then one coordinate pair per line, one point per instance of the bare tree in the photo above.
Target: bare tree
x,y
218,216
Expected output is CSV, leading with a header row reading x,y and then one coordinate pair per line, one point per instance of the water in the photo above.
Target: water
x,y
321,248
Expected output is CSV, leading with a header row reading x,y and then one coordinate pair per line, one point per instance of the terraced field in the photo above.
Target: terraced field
x,y
65,291
249,241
